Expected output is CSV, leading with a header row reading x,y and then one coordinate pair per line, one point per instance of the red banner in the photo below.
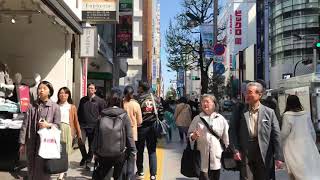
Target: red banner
x,y
23,97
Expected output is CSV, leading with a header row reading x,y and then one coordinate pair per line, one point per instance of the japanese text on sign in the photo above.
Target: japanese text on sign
x,y
238,27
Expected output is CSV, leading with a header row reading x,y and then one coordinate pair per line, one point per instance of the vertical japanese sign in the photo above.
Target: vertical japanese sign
x,y
206,31
84,76
238,27
230,24
124,37
124,30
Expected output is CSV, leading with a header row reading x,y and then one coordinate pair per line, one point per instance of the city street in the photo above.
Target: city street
x,y
169,156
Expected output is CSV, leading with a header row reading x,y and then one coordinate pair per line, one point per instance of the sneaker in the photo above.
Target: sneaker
x,y
140,175
153,178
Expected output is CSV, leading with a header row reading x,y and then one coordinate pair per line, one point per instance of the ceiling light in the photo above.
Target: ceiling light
x,y
13,20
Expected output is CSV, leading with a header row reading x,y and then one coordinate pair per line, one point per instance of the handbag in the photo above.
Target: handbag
x,y
55,166
227,156
160,127
191,161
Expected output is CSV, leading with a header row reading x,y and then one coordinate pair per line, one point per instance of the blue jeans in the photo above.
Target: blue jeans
x,y
147,135
183,131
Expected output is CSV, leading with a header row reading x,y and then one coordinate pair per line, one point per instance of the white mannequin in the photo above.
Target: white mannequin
x,y
33,89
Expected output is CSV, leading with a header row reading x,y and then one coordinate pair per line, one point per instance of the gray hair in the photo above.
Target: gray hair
x,y
257,85
211,96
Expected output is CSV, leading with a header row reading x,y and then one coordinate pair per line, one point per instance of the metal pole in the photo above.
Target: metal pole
x,y
215,22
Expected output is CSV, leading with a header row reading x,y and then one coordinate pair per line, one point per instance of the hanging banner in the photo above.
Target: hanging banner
x,y
124,37
100,11
23,97
206,31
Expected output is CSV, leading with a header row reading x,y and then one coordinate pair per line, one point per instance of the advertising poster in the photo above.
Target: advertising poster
x,y
100,11
206,31
23,97
124,37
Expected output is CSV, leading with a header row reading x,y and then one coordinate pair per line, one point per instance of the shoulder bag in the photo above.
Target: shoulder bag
x,y
227,160
191,161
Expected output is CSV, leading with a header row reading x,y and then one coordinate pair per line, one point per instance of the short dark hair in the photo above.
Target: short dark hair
x,y
115,98
293,104
89,84
128,91
49,85
183,100
144,85
67,91
262,82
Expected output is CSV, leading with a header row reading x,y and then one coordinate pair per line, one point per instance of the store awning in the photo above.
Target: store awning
x,y
61,9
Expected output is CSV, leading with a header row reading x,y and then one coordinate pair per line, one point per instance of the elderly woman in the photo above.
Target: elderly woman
x,y
208,145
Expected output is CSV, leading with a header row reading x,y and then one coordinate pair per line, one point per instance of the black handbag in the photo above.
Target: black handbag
x,y
191,161
55,166
227,157
160,127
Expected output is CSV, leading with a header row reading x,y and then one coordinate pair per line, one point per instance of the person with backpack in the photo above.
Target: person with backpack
x,y
146,132
113,143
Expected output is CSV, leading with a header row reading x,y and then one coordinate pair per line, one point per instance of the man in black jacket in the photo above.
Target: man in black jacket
x,y
146,132
89,111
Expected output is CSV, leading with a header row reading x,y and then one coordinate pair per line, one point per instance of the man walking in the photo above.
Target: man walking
x,y
256,136
89,111
146,132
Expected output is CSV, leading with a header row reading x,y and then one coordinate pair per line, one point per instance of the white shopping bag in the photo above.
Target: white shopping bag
x,y
49,143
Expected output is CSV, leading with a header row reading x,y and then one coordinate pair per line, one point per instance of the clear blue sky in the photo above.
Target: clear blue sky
x,y
169,8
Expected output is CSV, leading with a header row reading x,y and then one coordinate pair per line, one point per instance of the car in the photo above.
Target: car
x,y
227,105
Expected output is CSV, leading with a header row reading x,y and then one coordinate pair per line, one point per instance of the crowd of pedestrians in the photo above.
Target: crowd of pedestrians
x,y
118,130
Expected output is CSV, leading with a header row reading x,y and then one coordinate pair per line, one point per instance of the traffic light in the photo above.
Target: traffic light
x,y
195,78
316,44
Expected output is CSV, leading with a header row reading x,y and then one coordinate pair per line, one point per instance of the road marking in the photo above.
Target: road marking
x,y
160,158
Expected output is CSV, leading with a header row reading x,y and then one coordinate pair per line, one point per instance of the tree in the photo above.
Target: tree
x,y
181,41
216,85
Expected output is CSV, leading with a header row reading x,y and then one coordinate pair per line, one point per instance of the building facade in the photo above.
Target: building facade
x,y
293,26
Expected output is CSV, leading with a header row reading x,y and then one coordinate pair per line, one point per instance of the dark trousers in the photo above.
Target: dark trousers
x,y
183,131
147,135
210,175
104,165
253,167
86,133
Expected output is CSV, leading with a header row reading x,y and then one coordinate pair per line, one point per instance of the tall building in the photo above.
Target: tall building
x,y
156,73
134,73
293,26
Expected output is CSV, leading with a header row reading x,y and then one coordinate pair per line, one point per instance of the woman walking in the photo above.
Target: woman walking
x,y
70,127
183,117
298,139
208,145
43,114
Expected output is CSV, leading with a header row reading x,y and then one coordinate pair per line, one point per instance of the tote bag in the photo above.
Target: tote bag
x,y
49,143
191,161
160,127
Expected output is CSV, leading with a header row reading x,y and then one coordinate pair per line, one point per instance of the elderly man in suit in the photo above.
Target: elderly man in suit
x,y
256,136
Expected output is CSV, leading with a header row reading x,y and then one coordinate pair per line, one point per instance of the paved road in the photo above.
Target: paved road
x,y
169,156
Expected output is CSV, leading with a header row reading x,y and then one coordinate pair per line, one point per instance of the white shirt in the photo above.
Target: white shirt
x,y
65,111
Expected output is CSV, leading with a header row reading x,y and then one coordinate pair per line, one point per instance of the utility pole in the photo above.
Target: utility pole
x,y
215,21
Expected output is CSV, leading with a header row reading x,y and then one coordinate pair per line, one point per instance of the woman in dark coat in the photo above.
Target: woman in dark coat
x,y
49,113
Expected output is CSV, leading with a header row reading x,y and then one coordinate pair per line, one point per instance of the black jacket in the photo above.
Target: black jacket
x,y
147,109
89,111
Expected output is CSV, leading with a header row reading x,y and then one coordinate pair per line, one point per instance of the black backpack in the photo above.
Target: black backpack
x,y
110,136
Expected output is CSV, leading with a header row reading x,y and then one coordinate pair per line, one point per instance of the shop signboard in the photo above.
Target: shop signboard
x,y
23,97
88,42
238,27
124,37
100,11
125,6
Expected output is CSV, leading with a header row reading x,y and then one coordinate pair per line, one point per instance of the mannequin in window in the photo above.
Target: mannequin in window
x,y
6,85
33,89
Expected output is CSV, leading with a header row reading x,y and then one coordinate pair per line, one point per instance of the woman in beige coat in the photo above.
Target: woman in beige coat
x,y
133,109
183,117
208,145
